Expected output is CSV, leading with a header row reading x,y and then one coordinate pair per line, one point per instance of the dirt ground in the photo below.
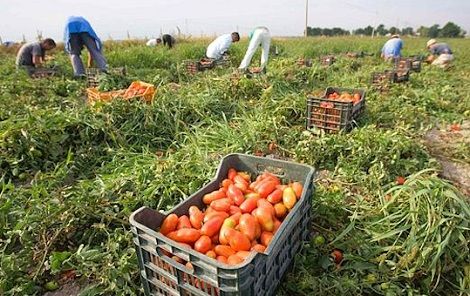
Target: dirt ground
x,y
442,142
68,289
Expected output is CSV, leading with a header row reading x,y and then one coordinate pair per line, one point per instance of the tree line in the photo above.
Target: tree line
x,y
448,30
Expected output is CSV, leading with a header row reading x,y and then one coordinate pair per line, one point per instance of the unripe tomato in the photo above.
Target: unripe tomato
x,y
288,198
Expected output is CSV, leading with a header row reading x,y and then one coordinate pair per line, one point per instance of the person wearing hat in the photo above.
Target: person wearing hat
x,y
441,54
220,45
260,36
78,33
392,48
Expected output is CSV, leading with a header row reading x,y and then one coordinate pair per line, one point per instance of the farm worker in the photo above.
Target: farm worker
x,y
31,55
220,45
442,51
260,36
153,42
78,33
168,40
392,48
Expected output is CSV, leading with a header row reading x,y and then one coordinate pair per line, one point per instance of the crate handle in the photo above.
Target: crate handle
x,y
277,171
327,105
173,262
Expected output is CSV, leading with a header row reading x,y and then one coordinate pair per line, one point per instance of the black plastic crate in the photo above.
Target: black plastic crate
x,y
93,74
390,76
411,63
303,62
259,274
331,115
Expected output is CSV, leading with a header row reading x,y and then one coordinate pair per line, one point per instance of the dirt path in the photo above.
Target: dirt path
x,y
444,143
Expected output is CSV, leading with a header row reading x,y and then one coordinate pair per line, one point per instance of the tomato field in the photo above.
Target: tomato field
x,y
385,221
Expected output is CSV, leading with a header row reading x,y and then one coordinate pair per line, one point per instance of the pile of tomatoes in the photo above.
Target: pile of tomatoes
x,y
345,97
135,90
240,217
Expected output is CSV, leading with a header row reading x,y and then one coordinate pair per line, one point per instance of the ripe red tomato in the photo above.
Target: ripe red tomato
x,y
169,224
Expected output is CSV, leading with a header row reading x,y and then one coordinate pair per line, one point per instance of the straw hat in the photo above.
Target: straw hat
x,y
431,42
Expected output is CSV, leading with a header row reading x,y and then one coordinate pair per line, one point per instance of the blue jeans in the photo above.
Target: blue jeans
x,y
77,42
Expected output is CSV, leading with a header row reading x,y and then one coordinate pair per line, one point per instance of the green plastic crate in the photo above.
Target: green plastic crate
x,y
259,274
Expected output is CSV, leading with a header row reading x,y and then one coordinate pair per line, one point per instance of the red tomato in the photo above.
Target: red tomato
x,y
212,226
222,259
245,176
401,180
265,218
275,196
234,260
263,203
213,214
280,210
248,226
298,188
215,195
225,251
222,205
266,238
259,248
203,244
211,254
183,222
187,235
239,242
265,188
169,224
235,194
249,204
234,210
196,217
232,173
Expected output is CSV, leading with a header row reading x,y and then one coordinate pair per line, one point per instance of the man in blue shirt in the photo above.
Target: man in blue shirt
x,y
441,54
392,48
79,33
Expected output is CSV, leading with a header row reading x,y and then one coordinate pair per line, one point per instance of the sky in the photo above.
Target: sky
x,y
149,18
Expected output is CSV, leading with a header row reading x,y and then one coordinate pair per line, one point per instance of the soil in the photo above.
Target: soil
x,y
441,142
68,289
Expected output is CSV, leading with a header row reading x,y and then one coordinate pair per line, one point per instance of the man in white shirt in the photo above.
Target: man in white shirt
x,y
220,45
154,42
260,36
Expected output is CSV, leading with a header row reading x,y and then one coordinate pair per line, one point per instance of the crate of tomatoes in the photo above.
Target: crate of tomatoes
x,y
336,110
237,235
140,90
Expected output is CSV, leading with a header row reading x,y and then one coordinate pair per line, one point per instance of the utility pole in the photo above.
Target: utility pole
x,y
306,18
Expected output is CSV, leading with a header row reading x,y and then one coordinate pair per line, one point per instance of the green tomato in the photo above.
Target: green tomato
x,y
51,286
318,240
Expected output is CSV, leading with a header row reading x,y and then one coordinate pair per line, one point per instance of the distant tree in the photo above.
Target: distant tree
x,y
313,31
394,30
407,31
451,30
423,31
359,31
434,31
381,30
327,32
368,30
339,32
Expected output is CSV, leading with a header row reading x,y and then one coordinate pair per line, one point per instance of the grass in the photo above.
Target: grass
x,y
72,173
